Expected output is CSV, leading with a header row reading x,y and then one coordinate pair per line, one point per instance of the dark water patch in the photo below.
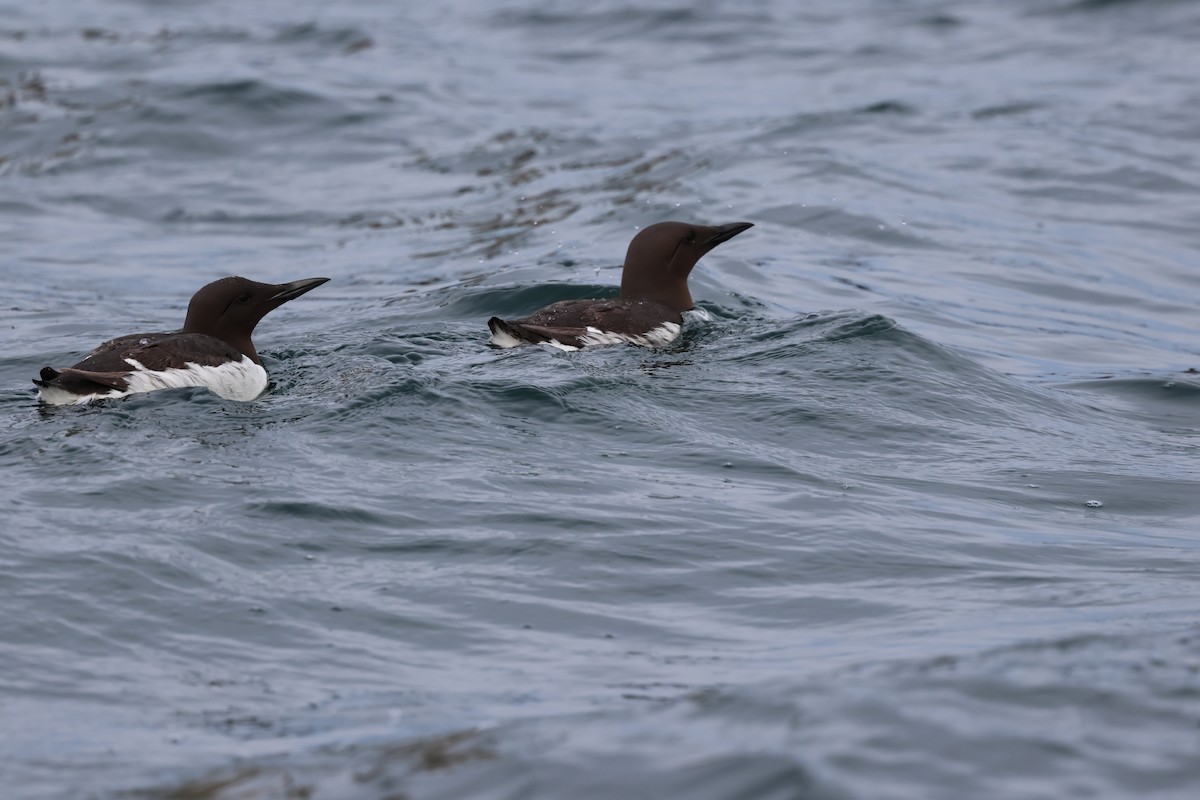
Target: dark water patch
x,y
508,153
1172,403
159,129
315,511
16,207
943,21
661,173
676,24
358,392
228,219
827,221
346,40
816,122
1072,193
845,727
1140,179
165,35
482,545
371,769
887,107
733,306
1007,110
1086,6
522,156
253,98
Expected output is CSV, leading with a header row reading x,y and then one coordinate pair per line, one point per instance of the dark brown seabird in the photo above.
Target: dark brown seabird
x,y
654,295
213,349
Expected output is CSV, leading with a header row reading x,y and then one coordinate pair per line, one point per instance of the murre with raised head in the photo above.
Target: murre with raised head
x,y
654,295
213,349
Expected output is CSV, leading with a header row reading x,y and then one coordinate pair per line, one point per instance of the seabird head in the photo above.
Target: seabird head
x,y
229,308
661,257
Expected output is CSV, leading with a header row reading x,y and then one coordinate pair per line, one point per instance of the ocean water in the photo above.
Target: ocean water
x,y
915,513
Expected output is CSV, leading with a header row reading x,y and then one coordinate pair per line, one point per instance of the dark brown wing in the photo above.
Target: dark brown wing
x,y
569,320
158,351
536,334
106,367
81,382
627,316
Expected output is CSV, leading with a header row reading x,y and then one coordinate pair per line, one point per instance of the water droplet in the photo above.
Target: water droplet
x,y
309,557
1033,485
1094,504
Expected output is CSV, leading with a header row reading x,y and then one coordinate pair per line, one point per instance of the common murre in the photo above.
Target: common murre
x,y
213,349
649,310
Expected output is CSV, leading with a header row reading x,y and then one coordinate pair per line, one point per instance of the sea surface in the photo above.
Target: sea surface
x,y
914,513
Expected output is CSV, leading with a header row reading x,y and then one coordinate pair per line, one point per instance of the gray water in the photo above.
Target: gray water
x,y
913,515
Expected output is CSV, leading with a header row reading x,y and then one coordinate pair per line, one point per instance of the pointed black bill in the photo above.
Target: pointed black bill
x,y
290,291
726,232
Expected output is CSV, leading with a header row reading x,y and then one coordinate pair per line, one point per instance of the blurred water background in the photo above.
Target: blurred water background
x,y
914,515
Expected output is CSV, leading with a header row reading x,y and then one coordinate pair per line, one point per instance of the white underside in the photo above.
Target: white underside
x,y
502,338
234,380
594,337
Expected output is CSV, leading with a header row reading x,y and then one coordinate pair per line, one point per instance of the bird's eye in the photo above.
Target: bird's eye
x,y
691,237
244,297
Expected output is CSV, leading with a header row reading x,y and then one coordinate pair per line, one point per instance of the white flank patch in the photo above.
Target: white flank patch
x,y
660,336
57,397
234,380
594,337
655,337
502,338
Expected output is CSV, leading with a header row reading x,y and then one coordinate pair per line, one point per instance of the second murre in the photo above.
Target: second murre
x,y
654,295
213,349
